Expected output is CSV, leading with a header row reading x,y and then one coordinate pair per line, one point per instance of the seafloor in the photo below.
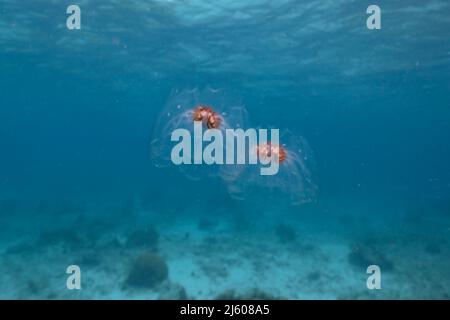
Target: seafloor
x,y
316,253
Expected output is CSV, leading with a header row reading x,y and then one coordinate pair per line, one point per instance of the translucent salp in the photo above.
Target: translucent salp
x,y
295,179
178,113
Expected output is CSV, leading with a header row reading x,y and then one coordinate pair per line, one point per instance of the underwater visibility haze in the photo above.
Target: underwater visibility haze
x,y
86,175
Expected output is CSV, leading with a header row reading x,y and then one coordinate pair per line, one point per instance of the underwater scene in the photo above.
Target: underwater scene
x,y
193,149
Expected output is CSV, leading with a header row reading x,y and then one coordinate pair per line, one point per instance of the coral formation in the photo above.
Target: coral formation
x,y
173,291
147,271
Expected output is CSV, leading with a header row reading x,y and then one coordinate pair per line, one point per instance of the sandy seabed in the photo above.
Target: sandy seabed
x,y
224,258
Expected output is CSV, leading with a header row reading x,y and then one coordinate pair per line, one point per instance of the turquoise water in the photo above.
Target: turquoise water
x,y
78,185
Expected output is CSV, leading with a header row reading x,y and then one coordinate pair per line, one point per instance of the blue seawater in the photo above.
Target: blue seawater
x,y
78,186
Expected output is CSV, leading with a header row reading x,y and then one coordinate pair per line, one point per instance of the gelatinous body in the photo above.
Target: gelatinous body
x,y
210,118
268,150
294,180
215,108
